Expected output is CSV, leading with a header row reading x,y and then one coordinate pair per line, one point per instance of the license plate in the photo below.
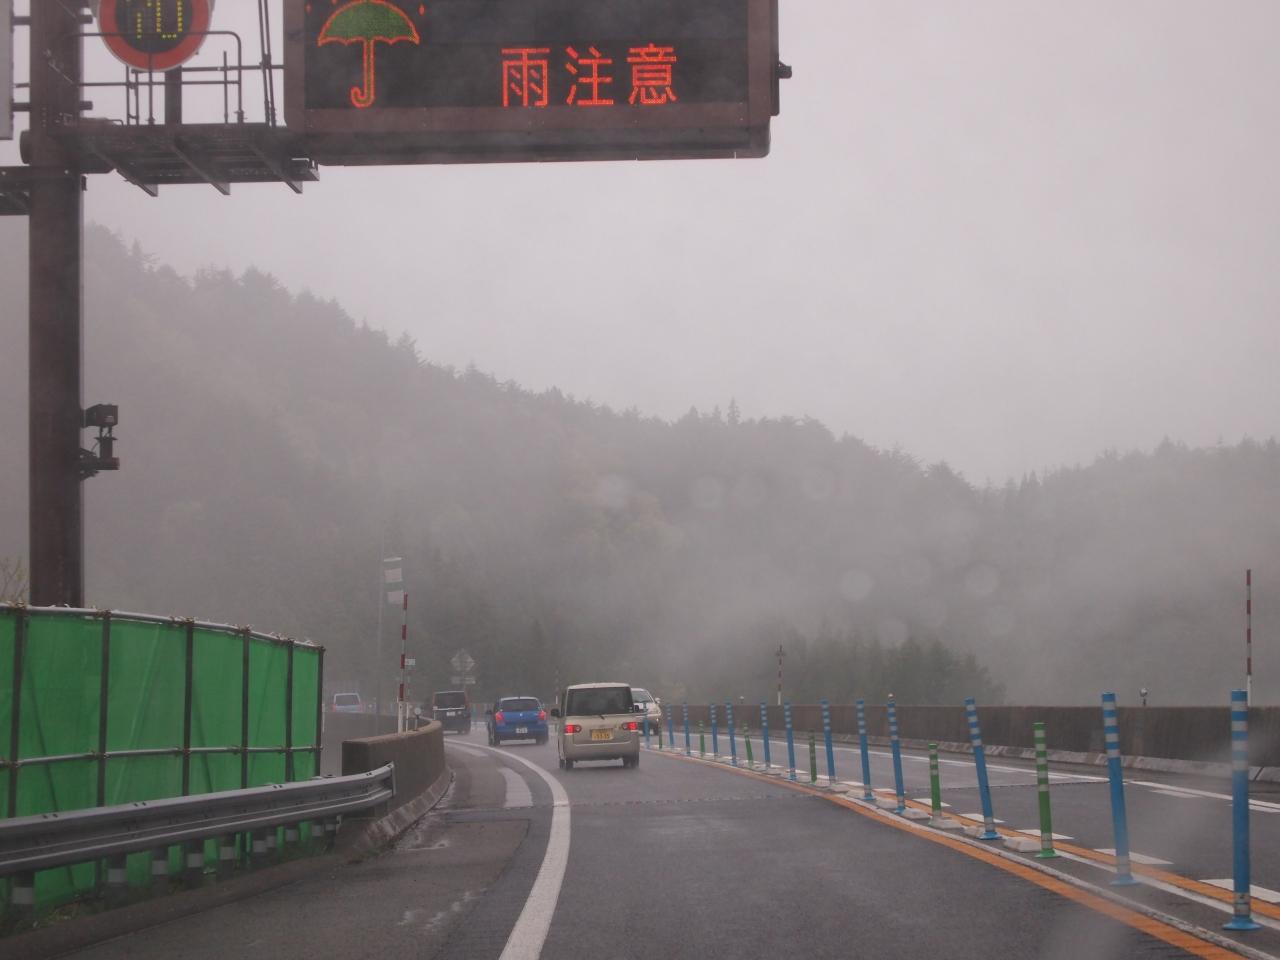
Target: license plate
x,y
522,729
451,713
601,735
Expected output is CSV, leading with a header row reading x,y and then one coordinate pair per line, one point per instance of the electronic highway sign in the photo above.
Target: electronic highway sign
x,y
387,81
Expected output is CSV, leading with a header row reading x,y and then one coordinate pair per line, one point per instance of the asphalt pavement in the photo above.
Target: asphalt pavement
x,y
682,858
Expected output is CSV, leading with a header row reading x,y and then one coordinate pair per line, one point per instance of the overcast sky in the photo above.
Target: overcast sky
x,y
1006,234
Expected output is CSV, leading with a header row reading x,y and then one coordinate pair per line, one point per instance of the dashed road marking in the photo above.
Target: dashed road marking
x,y
1035,832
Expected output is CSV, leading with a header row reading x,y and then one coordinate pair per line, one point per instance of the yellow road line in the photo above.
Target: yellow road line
x,y
1144,924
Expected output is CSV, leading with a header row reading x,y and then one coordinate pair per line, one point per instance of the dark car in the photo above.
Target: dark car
x,y
453,709
517,718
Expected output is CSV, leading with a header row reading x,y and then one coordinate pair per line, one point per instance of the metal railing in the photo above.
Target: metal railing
x,y
28,844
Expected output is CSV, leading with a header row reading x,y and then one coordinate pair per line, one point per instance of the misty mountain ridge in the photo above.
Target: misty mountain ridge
x,y
273,449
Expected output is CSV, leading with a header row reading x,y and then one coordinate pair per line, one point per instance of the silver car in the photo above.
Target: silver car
x,y
598,721
652,708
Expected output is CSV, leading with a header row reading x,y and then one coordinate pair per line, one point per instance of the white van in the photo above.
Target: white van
x,y
598,721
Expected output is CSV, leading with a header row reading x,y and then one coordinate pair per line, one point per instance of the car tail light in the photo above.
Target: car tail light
x,y
572,728
497,717
631,725
542,715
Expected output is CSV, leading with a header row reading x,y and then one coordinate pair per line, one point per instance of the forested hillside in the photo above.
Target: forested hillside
x,y
273,449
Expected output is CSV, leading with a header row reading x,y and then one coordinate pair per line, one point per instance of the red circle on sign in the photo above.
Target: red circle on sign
x,y
128,50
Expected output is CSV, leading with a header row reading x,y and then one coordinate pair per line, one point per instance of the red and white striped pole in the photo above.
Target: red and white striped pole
x,y
1248,638
402,706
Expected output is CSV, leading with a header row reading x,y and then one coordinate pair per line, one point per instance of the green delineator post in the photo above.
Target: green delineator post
x,y
813,759
935,786
702,740
1042,785
746,739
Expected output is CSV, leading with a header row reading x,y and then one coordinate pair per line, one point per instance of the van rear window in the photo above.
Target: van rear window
x,y
595,701
451,698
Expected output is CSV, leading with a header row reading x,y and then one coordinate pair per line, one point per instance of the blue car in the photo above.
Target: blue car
x,y
517,718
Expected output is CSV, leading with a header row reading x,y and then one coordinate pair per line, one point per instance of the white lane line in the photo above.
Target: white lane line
x,y
518,794
1261,893
1226,908
530,931
1137,857
1187,793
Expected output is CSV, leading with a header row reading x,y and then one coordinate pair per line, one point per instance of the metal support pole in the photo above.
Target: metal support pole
x,y
1242,892
226,854
764,733
193,862
288,715
980,763
895,744
117,879
244,712
56,231
826,736
1042,785
1115,772
791,740
862,748
15,706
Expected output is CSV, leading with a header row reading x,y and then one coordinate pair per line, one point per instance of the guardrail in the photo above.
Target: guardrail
x,y
28,844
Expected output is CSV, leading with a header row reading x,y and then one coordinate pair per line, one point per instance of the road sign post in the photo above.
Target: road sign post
x,y
935,787
764,732
826,736
980,765
861,707
1042,786
1115,773
1242,906
895,744
733,734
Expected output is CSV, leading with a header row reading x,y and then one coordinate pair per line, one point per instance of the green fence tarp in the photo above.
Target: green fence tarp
x,y
150,665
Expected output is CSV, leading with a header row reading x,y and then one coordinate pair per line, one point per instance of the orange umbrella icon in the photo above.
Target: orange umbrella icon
x,y
368,22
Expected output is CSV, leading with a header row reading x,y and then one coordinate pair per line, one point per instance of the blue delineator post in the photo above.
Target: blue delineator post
x,y
791,740
1115,772
866,754
895,745
980,763
1242,899
688,744
715,734
733,734
671,730
764,731
826,736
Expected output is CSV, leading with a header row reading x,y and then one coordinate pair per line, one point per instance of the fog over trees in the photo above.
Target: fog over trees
x,y
274,449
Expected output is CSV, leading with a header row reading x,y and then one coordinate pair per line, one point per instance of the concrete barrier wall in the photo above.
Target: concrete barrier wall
x,y
418,756
348,726
1176,733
